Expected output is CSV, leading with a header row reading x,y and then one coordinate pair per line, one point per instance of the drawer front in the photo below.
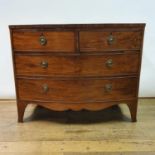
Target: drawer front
x,y
84,65
77,90
104,41
43,41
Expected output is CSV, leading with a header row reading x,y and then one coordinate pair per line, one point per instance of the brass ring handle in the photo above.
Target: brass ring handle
x,y
108,88
109,63
110,39
45,88
44,64
42,40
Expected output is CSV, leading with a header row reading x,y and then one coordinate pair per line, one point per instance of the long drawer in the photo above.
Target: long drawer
x,y
81,65
51,41
77,89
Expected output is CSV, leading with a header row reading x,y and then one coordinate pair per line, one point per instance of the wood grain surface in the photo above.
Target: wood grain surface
x,y
98,41
105,132
56,41
77,90
77,65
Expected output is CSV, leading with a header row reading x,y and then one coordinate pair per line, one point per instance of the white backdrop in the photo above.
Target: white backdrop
x,y
77,11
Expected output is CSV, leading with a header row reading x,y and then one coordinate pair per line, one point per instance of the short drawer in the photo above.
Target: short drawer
x,y
105,41
77,90
72,65
43,41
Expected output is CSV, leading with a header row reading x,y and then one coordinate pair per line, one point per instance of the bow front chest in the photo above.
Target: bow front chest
x,y
83,66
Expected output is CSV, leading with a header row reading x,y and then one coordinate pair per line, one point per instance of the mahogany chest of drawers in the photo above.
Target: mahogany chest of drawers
x,y
83,66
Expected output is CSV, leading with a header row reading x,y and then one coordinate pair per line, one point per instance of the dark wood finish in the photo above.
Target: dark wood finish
x,y
77,90
98,26
21,109
94,106
56,41
98,41
70,71
133,109
77,65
